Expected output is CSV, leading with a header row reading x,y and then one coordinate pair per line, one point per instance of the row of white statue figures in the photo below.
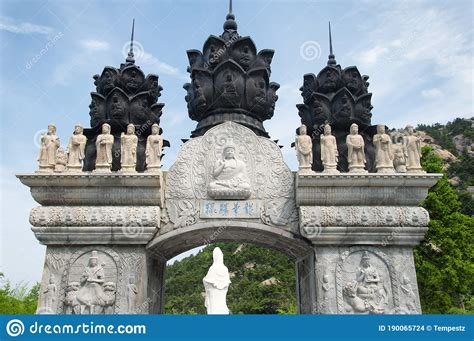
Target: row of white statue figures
x,y
389,158
53,158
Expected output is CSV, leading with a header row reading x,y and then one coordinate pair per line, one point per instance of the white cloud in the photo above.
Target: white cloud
x,y
94,45
431,93
9,25
148,59
422,51
371,56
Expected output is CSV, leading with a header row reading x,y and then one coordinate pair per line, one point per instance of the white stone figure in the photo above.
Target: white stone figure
x,y
129,143
104,144
408,296
367,293
355,151
304,151
154,148
90,295
61,161
217,283
383,151
230,177
329,153
132,292
47,155
50,295
399,159
76,149
412,145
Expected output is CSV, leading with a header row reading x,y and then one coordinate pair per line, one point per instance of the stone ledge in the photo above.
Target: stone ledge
x,y
363,189
91,189
365,235
82,235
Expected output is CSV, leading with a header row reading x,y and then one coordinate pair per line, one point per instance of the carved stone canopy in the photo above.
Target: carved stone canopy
x,y
230,81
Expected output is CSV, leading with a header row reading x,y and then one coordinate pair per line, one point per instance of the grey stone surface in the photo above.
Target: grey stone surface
x,y
363,189
95,189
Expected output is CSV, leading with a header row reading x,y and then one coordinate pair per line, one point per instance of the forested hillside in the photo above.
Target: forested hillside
x,y
263,281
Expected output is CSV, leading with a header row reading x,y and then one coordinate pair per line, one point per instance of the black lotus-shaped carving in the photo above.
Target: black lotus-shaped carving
x,y
230,81
335,96
125,96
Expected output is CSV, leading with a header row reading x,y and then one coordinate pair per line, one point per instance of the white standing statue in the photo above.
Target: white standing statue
x,y
216,284
50,295
355,151
61,161
304,151
128,151
329,153
104,144
49,146
132,292
412,146
76,149
154,149
383,151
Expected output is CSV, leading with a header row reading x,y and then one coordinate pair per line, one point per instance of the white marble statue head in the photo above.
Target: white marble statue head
x,y
380,129
354,129
130,129
78,129
327,129
51,129
105,128
155,129
302,130
409,129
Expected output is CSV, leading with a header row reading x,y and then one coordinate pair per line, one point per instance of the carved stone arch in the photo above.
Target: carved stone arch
x,y
120,270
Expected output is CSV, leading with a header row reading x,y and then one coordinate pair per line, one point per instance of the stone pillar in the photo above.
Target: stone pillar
x,y
363,228
306,285
96,228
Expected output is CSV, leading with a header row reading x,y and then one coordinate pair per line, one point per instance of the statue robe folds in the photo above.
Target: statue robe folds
x,y
76,148
216,284
104,145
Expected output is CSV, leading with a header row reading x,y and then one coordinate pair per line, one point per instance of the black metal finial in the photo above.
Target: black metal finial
x,y
331,57
230,23
130,57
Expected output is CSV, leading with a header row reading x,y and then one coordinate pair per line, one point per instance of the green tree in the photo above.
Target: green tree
x,y
444,260
19,299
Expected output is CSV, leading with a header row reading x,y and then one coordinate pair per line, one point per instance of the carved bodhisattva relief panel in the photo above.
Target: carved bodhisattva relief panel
x,y
230,173
366,280
94,280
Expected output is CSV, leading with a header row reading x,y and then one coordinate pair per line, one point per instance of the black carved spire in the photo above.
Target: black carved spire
x,y
230,81
123,96
338,97
131,57
331,57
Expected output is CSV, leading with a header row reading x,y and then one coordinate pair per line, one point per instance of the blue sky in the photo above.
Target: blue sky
x,y
418,54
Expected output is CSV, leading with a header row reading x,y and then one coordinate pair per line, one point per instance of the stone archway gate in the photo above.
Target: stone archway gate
x,y
351,235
